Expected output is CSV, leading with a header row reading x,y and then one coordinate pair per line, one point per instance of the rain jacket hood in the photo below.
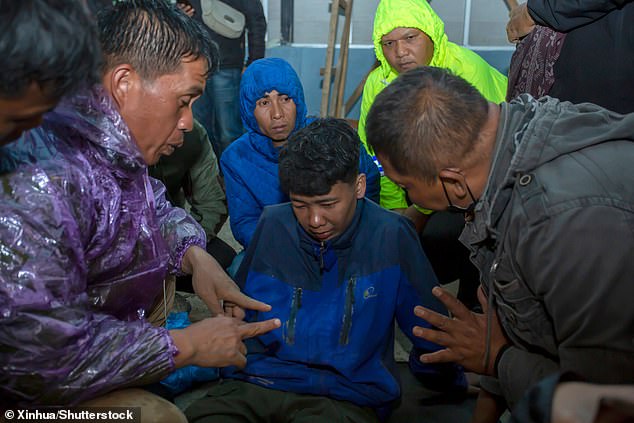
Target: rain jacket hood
x,y
266,75
392,14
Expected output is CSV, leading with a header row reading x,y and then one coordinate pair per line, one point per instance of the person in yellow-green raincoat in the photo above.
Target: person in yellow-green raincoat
x,y
408,33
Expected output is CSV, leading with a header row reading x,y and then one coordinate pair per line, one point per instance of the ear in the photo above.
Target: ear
x,y
359,186
454,181
120,81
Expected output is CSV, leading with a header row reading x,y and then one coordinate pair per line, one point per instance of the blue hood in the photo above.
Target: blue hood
x,y
266,75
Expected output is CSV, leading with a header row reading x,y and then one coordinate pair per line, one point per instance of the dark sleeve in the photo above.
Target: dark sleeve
x,y
586,288
256,29
207,199
565,15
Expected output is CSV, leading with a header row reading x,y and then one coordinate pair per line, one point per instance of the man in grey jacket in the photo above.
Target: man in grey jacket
x,y
548,195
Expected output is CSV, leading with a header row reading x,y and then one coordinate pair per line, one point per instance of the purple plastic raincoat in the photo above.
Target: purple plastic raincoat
x,y
86,240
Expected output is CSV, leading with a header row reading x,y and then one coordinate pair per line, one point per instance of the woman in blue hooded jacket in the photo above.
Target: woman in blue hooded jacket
x,y
272,107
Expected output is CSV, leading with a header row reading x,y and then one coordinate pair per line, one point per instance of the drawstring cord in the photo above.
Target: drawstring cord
x,y
487,351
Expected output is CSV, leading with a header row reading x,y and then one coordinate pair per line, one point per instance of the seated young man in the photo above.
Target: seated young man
x,y
272,107
337,269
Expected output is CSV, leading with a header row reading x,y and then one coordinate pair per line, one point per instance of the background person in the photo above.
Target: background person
x,y
598,34
218,109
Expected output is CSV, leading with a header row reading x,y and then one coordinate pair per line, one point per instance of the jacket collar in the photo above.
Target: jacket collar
x,y
326,254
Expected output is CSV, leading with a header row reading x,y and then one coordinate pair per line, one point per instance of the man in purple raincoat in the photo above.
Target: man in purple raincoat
x,y
87,238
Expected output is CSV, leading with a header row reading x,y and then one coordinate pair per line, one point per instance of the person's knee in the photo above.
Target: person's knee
x,y
153,408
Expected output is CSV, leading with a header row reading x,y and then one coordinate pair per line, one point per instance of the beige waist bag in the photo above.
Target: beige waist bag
x,y
222,18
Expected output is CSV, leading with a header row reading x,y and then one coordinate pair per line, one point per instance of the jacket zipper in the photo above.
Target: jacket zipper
x,y
322,248
296,304
347,315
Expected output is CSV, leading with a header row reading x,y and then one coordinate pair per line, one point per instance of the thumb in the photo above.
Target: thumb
x,y
250,330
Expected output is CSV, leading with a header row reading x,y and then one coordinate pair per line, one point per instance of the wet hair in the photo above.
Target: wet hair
x,y
318,156
153,36
426,120
53,43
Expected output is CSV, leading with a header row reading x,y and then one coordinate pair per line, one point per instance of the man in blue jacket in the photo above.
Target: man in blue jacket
x,y
272,107
337,270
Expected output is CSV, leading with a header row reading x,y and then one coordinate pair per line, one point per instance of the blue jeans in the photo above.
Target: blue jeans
x,y
218,109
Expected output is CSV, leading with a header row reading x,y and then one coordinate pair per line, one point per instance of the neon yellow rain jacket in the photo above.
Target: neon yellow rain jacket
x,y
391,14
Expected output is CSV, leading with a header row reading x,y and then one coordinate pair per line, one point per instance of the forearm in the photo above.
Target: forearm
x,y
418,218
196,256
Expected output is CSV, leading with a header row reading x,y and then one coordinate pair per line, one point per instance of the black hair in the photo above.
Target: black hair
x,y
318,156
425,120
53,43
153,36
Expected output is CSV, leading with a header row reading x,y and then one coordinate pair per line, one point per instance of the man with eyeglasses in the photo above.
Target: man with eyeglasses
x,y
548,191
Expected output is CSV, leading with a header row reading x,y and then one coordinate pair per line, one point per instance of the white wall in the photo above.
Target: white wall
x,y
486,25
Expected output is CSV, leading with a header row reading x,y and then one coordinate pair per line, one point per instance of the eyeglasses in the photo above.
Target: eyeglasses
x,y
469,210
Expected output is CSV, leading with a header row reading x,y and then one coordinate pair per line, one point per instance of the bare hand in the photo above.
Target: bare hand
x,y
217,341
212,284
520,23
463,336
579,402
189,10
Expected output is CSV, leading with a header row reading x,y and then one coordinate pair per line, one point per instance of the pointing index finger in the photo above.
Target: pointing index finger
x,y
246,302
250,330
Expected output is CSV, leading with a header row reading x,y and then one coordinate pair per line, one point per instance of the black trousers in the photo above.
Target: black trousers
x,y
449,257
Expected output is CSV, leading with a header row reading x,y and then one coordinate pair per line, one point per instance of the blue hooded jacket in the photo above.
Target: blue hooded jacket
x,y
250,163
337,301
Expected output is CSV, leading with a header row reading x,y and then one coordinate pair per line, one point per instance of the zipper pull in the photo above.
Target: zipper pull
x,y
322,248
296,304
